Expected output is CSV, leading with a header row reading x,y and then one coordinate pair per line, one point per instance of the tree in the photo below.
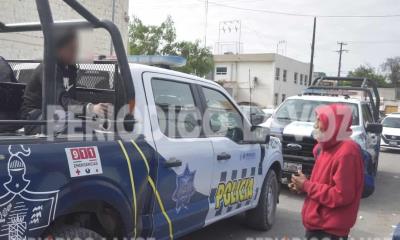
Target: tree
x,y
199,59
144,40
161,40
366,71
392,66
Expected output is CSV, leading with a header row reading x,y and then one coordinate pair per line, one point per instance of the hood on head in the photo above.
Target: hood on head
x,y
336,120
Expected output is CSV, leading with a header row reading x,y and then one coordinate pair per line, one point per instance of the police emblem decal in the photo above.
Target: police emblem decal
x,y
184,189
23,210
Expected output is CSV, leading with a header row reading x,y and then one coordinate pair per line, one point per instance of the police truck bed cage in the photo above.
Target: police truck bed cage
x,y
47,25
341,86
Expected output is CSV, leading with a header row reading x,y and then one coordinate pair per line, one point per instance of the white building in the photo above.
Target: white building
x,y
29,45
270,77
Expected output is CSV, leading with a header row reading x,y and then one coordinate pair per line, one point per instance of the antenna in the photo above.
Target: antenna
x,y
250,90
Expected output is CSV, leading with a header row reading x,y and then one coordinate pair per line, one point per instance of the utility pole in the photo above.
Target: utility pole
x,y
250,89
310,76
340,51
278,44
206,23
230,27
112,19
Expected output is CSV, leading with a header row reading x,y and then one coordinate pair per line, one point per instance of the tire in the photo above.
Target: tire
x,y
263,216
72,232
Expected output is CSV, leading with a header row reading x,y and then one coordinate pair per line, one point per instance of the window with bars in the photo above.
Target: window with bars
x,y
284,75
277,73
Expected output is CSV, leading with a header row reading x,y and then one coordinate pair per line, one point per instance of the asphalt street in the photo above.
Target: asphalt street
x,y
376,219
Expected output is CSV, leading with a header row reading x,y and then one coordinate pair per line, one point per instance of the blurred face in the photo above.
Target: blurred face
x,y
68,53
318,130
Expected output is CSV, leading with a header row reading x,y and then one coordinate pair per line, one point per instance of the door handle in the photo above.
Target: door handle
x,y
173,162
223,156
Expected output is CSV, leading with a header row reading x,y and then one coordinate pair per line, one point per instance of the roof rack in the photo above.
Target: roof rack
x,y
47,25
339,86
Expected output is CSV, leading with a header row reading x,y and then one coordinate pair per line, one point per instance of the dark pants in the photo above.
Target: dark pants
x,y
319,235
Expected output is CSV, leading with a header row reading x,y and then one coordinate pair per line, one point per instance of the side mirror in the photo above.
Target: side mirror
x,y
259,135
256,119
374,128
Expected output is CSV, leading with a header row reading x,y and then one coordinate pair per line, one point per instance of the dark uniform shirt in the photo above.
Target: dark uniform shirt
x,y
66,77
66,91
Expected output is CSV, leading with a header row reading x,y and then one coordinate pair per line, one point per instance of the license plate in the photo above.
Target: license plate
x,y
292,167
393,143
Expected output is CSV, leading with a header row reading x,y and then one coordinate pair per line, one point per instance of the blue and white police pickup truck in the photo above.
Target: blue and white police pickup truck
x,y
180,157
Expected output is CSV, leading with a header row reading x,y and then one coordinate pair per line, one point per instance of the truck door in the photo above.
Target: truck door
x,y
235,182
185,158
373,139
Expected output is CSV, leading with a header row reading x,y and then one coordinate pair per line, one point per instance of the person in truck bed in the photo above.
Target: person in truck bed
x,y
336,184
66,42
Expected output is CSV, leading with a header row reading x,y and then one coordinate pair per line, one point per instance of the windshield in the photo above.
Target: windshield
x,y
304,110
391,122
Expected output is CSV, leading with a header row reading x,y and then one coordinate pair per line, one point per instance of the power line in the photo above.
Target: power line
x,y
375,42
302,14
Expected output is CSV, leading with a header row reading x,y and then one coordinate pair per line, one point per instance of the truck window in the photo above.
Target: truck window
x,y
176,110
224,119
367,115
95,79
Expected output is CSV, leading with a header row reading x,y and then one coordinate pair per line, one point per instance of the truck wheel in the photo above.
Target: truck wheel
x,y
72,232
263,216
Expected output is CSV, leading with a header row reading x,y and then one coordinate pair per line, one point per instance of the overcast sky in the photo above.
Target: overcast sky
x,y
370,40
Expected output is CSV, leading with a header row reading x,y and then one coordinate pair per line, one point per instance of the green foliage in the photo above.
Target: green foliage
x,y
392,66
199,59
366,71
161,40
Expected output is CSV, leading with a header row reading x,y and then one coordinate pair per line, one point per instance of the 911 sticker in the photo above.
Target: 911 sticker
x,y
84,161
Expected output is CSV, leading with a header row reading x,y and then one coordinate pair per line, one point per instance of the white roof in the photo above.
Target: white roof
x,y
394,115
146,68
327,99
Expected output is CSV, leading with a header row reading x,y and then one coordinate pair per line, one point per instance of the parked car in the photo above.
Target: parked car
x,y
293,123
152,174
391,132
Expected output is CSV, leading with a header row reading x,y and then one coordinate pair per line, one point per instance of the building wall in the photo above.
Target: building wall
x,y
260,68
289,87
241,75
387,94
29,45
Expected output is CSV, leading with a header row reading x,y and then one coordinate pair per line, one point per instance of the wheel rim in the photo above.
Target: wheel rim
x,y
271,203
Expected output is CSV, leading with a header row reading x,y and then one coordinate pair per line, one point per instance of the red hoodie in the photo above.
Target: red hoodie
x,y
336,184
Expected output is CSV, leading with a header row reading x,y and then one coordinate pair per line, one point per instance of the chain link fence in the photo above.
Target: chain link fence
x,y
99,75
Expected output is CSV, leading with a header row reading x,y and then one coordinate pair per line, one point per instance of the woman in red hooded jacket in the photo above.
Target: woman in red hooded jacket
x,y
336,184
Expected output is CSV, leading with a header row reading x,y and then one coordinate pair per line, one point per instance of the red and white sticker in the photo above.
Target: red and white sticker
x,y
83,161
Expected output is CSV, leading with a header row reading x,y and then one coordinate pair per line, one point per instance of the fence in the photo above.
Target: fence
x,y
98,75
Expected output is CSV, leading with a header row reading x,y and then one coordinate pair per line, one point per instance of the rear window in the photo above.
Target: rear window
x,y
25,75
94,79
304,111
